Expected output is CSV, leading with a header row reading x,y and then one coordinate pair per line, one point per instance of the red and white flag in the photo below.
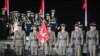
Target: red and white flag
x,y
42,7
6,5
43,33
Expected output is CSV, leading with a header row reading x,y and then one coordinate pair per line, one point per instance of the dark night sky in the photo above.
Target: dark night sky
x,y
68,11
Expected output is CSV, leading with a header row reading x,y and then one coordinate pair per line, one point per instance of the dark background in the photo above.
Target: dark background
x,y
67,11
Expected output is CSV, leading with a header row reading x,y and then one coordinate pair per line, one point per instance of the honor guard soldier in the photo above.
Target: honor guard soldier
x,y
92,38
47,18
84,45
77,40
32,18
41,17
15,16
19,40
33,41
52,13
22,18
10,17
63,40
43,47
53,20
28,13
3,24
28,22
52,39
37,20
22,21
10,31
81,28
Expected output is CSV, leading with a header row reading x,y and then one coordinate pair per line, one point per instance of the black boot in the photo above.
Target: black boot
x,y
47,55
64,55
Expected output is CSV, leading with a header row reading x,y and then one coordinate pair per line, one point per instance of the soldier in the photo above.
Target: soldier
x,y
81,28
28,22
3,24
10,17
77,40
19,40
33,41
10,31
15,18
32,18
52,13
84,45
53,20
47,18
52,39
92,38
36,20
28,13
22,18
63,40
40,18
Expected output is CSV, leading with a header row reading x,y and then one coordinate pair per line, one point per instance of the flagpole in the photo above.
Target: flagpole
x,y
8,8
86,21
43,9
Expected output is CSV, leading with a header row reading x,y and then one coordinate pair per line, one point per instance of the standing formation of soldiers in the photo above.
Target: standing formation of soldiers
x,y
24,23
30,19
61,42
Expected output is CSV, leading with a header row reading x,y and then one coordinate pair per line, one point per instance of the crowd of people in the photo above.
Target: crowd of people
x,y
20,25
27,19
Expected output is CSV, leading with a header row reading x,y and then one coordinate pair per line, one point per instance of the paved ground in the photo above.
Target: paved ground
x,y
3,46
